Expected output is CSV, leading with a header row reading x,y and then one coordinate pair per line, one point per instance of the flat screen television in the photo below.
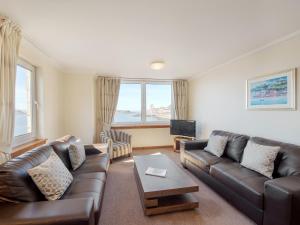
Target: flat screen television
x,y
183,128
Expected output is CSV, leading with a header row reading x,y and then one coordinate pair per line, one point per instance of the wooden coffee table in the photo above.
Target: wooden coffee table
x,y
163,194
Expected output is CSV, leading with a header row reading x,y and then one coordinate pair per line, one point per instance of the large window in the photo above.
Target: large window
x,y
24,103
144,102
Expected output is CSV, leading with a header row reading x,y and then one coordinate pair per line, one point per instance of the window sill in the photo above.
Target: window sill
x,y
141,126
18,150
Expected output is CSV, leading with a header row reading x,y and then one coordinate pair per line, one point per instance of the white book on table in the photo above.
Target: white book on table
x,y
156,172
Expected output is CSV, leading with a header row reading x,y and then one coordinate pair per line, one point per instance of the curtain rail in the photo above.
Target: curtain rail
x,y
140,79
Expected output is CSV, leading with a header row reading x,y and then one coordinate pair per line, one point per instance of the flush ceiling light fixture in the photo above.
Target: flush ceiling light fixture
x,y
157,65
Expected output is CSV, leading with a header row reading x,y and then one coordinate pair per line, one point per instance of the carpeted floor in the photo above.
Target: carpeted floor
x,y
122,206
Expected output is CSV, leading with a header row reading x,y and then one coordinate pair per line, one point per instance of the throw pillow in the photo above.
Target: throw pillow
x,y
77,154
216,145
260,158
51,177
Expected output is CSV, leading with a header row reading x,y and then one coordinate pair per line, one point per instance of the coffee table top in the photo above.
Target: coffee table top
x,y
176,181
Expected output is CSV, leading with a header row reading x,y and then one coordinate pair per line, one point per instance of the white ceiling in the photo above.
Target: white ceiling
x,y
121,37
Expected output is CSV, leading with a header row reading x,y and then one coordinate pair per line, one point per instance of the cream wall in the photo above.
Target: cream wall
x,y
79,117
49,91
217,99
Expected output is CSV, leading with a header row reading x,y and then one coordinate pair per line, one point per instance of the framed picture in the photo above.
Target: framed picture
x,y
272,92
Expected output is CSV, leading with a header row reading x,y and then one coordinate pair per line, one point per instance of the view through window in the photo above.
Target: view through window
x,y
144,102
24,103
158,102
129,104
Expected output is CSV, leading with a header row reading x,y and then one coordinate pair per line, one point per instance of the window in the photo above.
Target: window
x,y
158,102
129,104
24,103
144,102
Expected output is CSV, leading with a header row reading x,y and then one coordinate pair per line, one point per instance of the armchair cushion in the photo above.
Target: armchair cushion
x,y
120,149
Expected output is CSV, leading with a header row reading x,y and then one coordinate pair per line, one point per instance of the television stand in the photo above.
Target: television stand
x,y
177,139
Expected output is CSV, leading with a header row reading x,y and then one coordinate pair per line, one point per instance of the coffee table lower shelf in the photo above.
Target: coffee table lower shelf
x,y
171,204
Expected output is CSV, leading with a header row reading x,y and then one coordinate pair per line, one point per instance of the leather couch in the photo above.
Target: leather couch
x,y
21,203
266,201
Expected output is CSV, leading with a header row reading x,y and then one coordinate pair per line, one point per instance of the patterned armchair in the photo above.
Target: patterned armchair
x,y
119,143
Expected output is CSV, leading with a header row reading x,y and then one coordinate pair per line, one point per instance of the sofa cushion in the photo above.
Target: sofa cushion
x,y
247,183
51,177
287,162
202,159
61,148
216,145
94,163
88,185
235,144
77,154
15,183
260,158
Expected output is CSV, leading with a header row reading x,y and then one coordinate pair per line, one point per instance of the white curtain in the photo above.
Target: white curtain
x,y
180,96
107,94
10,36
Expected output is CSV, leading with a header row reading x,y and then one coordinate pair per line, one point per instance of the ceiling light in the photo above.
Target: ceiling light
x,y
157,65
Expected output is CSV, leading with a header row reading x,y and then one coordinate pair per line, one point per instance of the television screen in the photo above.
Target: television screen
x,y
183,128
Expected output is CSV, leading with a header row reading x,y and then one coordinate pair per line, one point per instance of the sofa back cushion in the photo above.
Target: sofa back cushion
x,y
235,144
61,148
287,162
15,183
51,177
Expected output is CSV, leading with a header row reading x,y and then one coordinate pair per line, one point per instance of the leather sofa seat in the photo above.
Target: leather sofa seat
x,y
202,159
93,163
88,185
245,182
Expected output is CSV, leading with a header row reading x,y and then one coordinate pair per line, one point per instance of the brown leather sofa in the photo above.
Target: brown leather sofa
x,y
21,203
266,201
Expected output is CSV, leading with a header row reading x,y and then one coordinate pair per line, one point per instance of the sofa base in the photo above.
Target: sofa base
x,y
240,203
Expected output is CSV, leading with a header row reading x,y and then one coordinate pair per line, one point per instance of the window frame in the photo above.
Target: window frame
x,y
24,138
143,84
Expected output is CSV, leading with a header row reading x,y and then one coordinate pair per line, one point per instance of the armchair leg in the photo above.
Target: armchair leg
x,y
110,161
129,154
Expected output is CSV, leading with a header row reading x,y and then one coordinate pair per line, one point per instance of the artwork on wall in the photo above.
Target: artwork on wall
x,y
275,91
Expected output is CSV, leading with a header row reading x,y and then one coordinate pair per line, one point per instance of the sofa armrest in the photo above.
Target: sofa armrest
x,y
91,150
66,211
282,201
193,145
186,145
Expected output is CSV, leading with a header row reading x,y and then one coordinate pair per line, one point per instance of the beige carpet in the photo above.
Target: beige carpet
x,y
122,206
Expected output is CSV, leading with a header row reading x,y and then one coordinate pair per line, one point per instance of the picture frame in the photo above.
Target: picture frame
x,y
276,91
